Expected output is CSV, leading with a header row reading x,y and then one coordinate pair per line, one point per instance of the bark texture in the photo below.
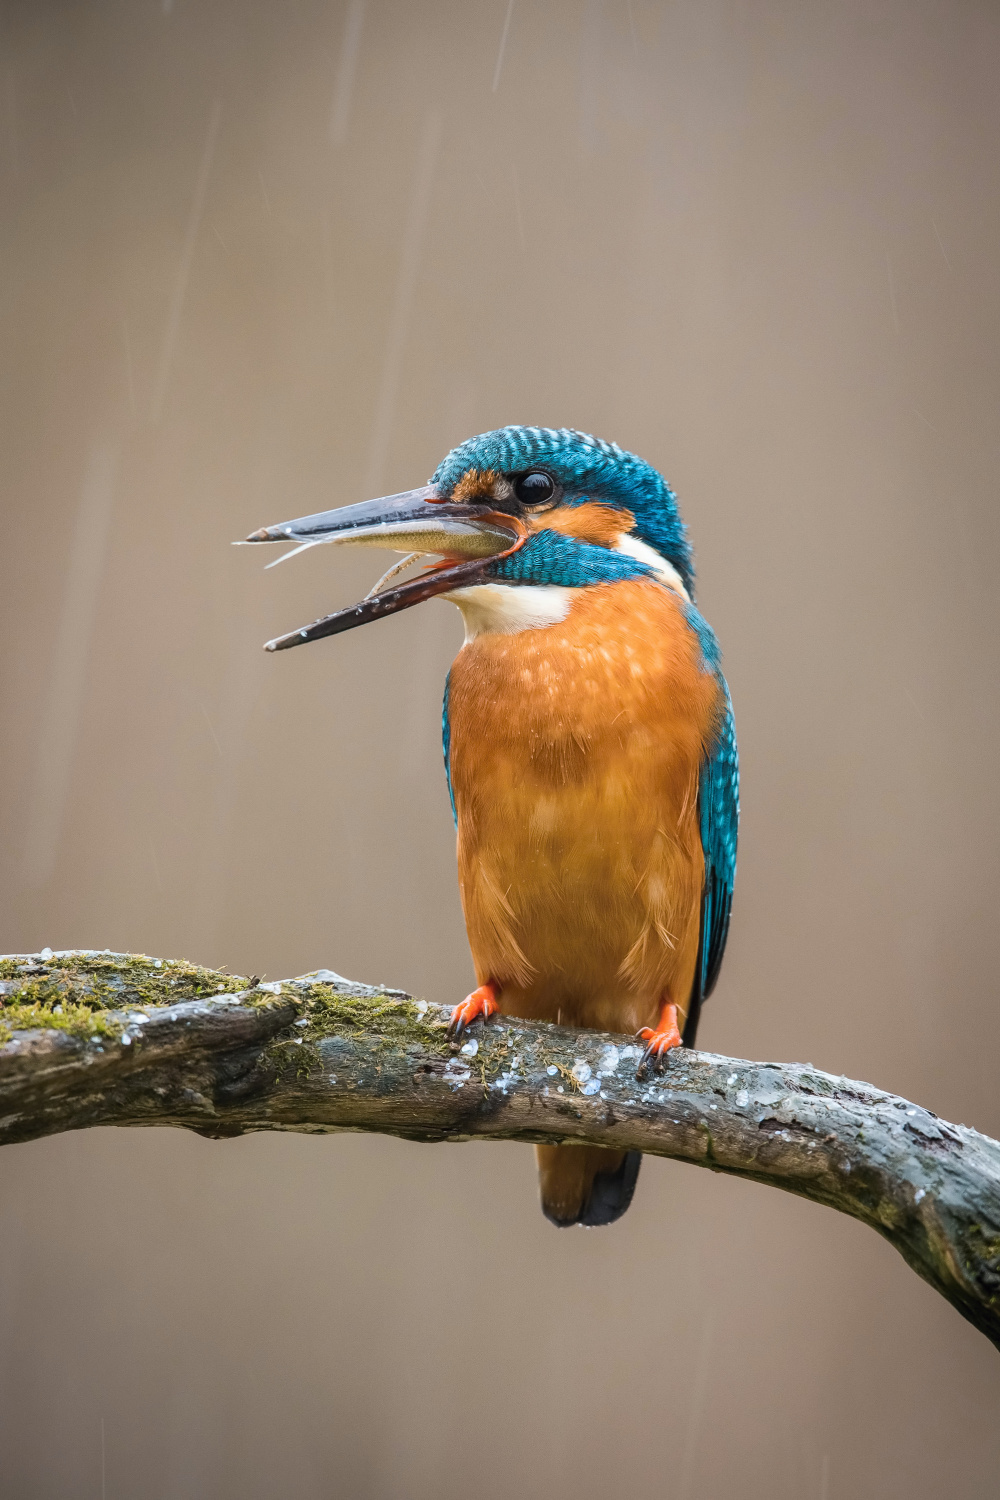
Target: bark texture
x,y
118,1039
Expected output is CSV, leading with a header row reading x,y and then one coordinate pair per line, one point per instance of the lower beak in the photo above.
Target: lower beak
x,y
466,535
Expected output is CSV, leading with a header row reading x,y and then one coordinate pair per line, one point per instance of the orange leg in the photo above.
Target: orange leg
x,y
660,1039
482,1002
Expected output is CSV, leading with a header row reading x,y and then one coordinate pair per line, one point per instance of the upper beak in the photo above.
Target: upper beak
x,y
467,534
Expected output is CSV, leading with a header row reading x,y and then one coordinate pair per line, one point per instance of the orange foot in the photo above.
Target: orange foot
x,y
482,1002
660,1040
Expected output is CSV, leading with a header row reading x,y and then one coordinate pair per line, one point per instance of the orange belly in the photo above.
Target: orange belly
x,y
575,753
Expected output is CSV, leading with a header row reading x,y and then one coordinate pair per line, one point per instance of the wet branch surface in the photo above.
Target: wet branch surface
x,y
117,1039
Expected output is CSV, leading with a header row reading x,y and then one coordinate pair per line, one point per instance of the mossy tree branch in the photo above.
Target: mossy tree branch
x,y
116,1039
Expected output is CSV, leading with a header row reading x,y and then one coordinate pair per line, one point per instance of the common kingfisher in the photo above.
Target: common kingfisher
x,y
589,746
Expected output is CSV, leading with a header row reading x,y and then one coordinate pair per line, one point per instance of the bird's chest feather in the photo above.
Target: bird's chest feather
x,y
575,751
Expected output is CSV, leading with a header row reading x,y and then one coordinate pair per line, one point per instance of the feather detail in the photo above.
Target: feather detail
x,y
497,950
589,522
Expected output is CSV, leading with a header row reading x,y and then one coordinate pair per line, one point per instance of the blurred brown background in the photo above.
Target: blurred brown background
x,y
262,258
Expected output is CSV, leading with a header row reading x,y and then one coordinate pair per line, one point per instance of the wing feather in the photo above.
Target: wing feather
x,y
719,815
446,746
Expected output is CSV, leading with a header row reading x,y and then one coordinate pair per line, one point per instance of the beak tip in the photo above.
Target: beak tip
x,y
263,535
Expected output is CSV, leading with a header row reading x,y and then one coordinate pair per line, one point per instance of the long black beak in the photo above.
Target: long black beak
x,y
468,535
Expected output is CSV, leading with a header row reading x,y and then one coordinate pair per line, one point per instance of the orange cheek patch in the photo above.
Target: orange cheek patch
x,y
590,522
476,484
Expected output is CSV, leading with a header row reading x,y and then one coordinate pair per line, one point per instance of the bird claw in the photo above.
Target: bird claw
x,y
482,1002
660,1040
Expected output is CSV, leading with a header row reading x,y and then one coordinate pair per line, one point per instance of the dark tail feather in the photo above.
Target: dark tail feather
x,y
612,1192
586,1184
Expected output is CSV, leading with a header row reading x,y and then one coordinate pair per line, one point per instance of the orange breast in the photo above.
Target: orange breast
x,y
575,752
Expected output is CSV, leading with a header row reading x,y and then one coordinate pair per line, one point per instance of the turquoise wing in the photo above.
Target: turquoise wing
x,y
446,745
719,814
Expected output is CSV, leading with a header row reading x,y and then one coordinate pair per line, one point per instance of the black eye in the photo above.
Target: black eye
x,y
534,487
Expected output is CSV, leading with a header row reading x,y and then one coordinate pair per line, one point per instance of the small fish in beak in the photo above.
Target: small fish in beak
x,y
466,535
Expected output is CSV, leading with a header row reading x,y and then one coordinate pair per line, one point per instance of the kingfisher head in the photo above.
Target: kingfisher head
x,y
519,518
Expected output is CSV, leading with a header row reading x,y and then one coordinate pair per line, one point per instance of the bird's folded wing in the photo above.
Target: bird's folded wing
x,y
719,811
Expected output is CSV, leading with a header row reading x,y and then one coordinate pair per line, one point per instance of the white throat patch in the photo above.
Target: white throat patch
x,y
504,608
644,553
